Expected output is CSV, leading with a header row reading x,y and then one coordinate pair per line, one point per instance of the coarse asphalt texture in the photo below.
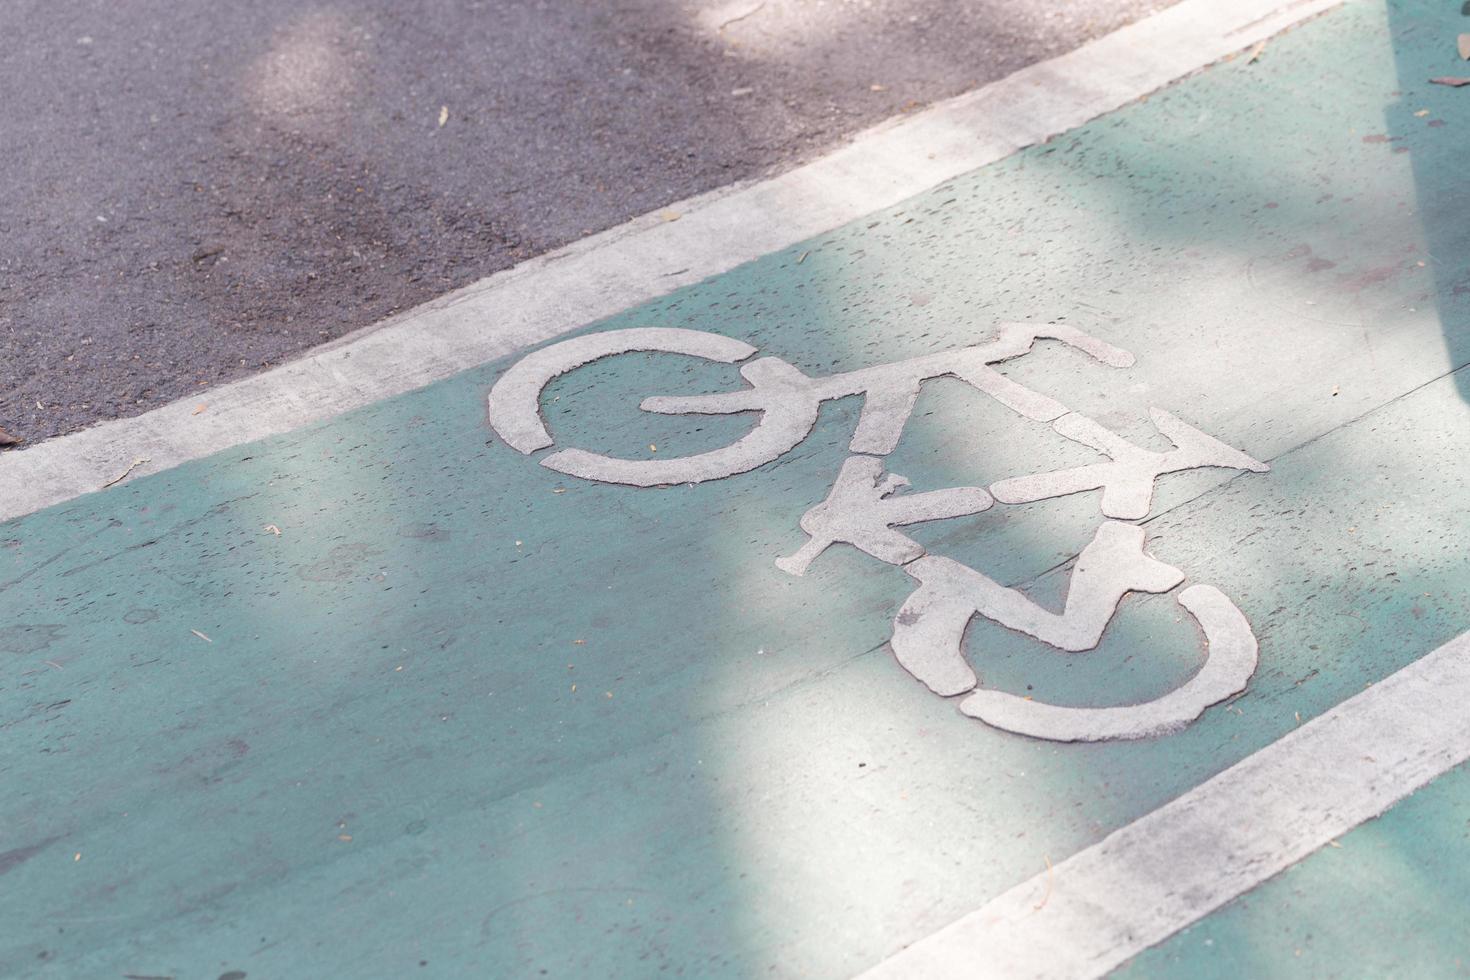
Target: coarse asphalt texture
x,y
195,191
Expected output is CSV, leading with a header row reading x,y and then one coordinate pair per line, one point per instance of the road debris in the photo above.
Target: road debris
x,y
1451,80
1050,872
739,17
443,115
201,636
6,439
127,472
1463,43
272,529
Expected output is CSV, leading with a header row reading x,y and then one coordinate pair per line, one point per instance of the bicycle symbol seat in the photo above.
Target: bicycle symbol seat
x,y
866,506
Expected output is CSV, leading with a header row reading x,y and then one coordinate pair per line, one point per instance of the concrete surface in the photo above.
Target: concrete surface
x,y
651,256
193,191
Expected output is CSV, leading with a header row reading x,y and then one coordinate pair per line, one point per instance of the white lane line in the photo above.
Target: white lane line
x,y
1145,882
635,262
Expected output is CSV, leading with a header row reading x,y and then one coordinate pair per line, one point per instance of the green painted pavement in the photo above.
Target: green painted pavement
x,y
451,720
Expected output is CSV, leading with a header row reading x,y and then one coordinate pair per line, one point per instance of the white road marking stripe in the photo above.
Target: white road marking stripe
x,y
635,262
1146,881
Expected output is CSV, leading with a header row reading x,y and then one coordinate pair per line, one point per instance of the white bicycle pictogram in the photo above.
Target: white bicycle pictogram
x,y
865,507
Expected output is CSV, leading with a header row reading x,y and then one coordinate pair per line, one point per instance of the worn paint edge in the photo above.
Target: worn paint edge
x,y
650,256
1148,880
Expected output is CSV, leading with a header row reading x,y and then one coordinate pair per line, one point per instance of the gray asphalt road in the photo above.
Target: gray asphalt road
x,y
194,190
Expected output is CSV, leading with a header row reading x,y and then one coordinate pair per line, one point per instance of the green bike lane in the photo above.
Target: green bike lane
x,y
385,697
1387,900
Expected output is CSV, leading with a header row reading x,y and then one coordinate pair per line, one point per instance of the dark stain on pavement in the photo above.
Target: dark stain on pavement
x,y
424,532
19,855
341,563
27,638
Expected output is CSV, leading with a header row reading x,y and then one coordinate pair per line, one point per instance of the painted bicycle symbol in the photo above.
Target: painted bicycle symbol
x,y
866,506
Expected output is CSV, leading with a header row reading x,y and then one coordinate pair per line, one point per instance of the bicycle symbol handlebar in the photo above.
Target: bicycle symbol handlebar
x,y
787,399
865,507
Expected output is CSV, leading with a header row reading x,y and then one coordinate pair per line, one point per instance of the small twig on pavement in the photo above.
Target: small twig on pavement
x,y
127,472
1049,873
749,13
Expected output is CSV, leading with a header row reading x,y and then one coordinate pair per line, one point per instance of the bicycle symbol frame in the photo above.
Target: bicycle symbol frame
x,y
865,508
